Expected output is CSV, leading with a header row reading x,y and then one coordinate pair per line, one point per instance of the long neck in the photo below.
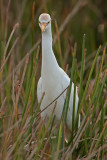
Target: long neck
x,y
49,63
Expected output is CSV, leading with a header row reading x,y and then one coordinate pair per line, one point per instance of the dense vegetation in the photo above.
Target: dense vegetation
x,y
79,41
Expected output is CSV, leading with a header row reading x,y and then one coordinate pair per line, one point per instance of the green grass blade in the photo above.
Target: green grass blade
x,y
59,140
70,86
82,67
73,114
27,96
87,84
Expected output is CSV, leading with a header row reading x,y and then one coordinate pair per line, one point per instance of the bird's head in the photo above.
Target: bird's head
x,y
44,21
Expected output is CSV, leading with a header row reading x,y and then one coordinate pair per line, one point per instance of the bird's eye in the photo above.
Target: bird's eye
x,y
47,23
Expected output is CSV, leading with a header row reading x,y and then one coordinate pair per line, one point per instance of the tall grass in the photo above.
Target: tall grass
x,y
23,134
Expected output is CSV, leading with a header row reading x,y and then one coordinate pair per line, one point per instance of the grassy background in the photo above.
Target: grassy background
x,y
22,133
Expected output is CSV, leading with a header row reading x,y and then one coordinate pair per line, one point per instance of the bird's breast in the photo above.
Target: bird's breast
x,y
52,87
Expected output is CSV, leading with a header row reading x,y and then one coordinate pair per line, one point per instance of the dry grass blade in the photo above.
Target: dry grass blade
x,y
95,152
93,142
6,59
13,92
70,150
23,76
7,17
14,145
79,130
11,128
2,109
10,37
105,128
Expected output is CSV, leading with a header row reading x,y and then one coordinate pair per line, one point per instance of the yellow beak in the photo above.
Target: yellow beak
x,y
43,26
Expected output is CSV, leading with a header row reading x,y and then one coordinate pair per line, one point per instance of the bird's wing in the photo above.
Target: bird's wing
x,y
65,79
65,83
39,90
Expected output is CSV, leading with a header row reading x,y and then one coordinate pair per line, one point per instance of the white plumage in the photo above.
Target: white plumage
x,y
53,80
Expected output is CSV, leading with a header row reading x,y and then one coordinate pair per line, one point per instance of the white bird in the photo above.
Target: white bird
x,y
53,80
